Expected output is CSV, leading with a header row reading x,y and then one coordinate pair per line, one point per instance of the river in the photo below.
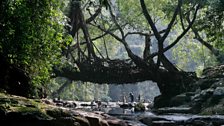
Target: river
x,y
169,118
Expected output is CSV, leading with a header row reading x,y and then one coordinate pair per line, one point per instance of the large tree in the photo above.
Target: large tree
x,y
165,22
92,66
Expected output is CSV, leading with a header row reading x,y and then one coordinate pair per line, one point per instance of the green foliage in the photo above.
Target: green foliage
x,y
190,55
211,21
139,107
130,12
81,91
31,35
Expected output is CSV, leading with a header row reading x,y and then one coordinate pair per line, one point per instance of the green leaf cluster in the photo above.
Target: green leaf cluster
x,y
31,36
211,22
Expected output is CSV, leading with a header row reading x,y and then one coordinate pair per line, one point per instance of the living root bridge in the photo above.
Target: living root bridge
x,y
116,72
106,75
109,72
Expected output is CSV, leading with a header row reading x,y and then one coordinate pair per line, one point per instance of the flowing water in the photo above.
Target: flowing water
x,y
152,119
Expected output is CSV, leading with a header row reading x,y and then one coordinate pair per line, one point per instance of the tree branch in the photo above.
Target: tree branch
x,y
75,17
146,52
172,20
181,35
105,46
115,21
203,42
149,19
108,32
93,17
143,34
91,52
137,60
184,32
181,19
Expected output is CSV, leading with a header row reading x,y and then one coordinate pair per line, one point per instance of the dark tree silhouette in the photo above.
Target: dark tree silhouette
x,y
93,68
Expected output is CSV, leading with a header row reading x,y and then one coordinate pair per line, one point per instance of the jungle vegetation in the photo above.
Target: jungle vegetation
x,y
42,42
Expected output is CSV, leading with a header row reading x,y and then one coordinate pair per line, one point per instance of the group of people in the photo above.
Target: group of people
x,y
132,99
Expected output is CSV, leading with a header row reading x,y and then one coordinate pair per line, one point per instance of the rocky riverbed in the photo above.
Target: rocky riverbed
x,y
203,106
15,110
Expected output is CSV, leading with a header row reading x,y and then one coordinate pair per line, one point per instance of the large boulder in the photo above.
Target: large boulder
x,y
16,110
180,100
206,94
214,72
218,92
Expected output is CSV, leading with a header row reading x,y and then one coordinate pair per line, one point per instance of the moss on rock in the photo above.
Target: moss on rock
x,y
139,107
22,111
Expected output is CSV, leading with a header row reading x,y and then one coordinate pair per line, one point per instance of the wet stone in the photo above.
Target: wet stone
x,y
163,123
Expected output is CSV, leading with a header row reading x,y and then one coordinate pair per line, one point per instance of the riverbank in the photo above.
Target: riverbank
x,y
16,110
206,95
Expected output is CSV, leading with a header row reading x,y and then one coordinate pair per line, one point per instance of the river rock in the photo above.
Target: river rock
x,y
206,97
219,83
214,72
161,101
204,83
180,100
82,121
173,110
163,123
139,107
127,105
115,122
219,91
21,111
146,120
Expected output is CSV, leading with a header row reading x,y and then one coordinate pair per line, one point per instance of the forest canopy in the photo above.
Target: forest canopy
x,y
108,41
